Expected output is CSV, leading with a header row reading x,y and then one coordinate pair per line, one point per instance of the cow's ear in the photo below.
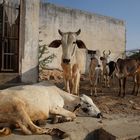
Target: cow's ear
x,y
80,44
55,44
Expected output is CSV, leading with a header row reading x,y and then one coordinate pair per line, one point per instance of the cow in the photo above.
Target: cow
x,y
71,59
21,106
136,82
108,68
124,68
95,73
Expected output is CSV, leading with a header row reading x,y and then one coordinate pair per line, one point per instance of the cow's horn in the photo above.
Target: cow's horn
x,y
60,32
104,52
78,32
109,52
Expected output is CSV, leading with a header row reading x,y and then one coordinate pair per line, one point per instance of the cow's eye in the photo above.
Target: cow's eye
x,y
85,110
74,42
88,105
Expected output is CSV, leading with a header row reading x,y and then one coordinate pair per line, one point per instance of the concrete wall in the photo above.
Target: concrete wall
x,y
29,32
98,32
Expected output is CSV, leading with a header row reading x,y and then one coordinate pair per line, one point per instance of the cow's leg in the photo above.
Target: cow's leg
x,y
134,88
108,81
91,83
135,85
104,77
96,78
66,84
76,81
138,87
138,84
66,115
120,86
124,84
28,127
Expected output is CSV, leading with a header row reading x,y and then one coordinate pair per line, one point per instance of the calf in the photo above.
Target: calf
x,y
95,74
125,68
71,59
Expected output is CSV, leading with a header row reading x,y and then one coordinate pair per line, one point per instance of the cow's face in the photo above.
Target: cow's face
x,y
105,58
88,107
69,43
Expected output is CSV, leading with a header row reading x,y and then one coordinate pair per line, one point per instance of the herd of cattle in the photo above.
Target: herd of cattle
x,y
100,69
25,106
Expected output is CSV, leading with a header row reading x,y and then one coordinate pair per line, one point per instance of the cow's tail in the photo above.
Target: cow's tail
x,y
5,131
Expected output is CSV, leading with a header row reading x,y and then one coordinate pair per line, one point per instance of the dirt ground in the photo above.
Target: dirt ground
x,y
107,99
121,115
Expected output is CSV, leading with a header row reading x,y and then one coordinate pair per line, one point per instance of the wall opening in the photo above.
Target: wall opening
x,y
9,37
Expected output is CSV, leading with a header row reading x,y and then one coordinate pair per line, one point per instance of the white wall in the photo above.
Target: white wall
x,y
97,31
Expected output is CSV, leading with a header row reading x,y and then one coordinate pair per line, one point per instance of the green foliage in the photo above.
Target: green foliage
x,y
135,55
43,60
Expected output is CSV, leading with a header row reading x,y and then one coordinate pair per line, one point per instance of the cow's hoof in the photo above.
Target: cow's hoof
x,y
5,131
123,96
55,120
90,94
136,94
63,136
95,95
59,133
40,122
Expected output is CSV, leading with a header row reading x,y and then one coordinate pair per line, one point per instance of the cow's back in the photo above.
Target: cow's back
x,y
36,98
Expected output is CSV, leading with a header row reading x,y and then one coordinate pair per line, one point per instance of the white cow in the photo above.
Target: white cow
x,y
105,60
95,72
23,105
72,60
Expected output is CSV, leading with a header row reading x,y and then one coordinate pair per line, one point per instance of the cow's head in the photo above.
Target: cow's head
x,y
105,57
69,43
88,108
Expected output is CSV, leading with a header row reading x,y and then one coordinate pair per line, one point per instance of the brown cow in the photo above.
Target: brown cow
x,y
125,68
136,82
71,59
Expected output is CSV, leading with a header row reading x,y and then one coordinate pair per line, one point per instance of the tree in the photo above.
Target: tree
x,y
43,60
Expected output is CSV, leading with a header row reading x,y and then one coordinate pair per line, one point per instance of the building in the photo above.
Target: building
x,y
98,32
19,25
27,24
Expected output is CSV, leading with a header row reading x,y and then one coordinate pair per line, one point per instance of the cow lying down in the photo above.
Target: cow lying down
x,y
21,106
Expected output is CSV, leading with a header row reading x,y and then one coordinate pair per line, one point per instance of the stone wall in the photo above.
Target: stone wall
x,y
97,31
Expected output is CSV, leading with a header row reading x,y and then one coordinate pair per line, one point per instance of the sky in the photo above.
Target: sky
x,y
127,10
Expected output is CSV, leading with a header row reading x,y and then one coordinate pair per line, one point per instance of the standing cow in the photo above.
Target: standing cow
x,y
71,59
108,68
95,72
125,68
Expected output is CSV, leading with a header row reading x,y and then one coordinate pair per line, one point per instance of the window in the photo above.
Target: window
x,y
9,37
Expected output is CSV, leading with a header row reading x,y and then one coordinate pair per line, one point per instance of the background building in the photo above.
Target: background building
x,y
26,25
97,31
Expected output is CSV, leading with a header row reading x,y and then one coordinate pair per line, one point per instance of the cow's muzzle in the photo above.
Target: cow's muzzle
x,y
99,115
66,61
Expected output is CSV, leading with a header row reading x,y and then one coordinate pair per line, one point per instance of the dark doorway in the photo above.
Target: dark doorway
x,y
9,37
